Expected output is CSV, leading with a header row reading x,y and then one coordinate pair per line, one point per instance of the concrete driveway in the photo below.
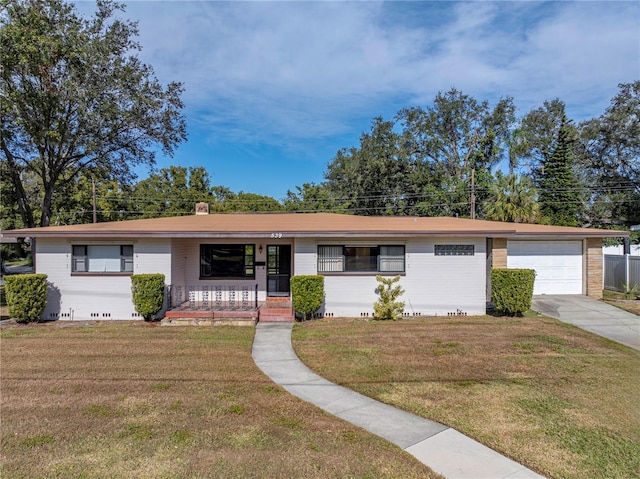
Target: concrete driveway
x,y
591,315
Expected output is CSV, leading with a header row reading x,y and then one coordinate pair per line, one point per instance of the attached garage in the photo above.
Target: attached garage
x,y
558,264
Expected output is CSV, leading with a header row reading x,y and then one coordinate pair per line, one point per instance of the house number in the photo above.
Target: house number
x,y
276,235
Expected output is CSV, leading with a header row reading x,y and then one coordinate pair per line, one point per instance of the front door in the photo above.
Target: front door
x,y
278,269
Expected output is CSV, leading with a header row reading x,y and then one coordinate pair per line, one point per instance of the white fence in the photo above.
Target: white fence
x,y
217,297
621,271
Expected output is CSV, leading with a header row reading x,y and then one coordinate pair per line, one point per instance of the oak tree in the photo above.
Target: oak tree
x,y
76,98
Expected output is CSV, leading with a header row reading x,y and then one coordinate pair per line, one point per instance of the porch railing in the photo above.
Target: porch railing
x,y
214,297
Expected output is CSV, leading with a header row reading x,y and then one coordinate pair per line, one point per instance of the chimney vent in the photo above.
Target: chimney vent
x,y
202,208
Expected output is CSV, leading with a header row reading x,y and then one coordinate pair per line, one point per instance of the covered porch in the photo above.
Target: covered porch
x,y
223,304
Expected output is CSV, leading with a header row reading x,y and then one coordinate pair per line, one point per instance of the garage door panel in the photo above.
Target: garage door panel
x,y
558,264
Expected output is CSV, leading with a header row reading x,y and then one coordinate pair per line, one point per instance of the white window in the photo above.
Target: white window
x,y
102,259
392,258
330,259
361,259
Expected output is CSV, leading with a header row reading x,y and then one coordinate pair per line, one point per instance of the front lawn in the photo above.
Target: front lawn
x,y
620,300
555,398
131,400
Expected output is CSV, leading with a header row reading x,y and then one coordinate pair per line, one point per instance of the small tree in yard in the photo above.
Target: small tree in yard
x,y
307,294
387,307
148,294
26,296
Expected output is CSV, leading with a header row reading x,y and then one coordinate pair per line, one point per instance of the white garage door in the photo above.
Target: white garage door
x,y
558,264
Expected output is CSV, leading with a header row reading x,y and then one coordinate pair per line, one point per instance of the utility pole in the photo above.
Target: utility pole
x,y
93,188
473,194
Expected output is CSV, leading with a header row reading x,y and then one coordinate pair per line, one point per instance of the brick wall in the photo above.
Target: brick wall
x,y
594,268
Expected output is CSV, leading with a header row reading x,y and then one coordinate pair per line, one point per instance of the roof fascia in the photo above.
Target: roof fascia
x,y
502,233
254,234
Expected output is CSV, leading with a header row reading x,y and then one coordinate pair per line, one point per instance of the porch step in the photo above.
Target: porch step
x,y
276,319
276,310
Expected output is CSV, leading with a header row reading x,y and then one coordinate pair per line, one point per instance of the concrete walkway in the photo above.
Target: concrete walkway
x,y
591,315
443,449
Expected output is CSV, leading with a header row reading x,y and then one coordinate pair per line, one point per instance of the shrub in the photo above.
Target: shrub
x,y
307,294
630,291
8,252
148,294
512,290
387,307
26,296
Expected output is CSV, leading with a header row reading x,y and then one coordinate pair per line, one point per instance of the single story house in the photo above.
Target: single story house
x,y
244,260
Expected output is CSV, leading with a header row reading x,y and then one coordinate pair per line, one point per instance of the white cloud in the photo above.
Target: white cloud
x,y
280,71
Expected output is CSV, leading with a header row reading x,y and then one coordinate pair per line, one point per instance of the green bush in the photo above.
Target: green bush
x,y
307,294
9,252
512,290
387,307
147,291
26,296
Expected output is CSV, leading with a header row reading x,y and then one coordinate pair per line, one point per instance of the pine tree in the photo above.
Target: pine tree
x,y
557,183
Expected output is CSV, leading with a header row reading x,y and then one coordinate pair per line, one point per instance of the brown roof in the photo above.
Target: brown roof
x,y
307,225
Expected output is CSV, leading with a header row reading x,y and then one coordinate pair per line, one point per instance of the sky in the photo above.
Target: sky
x,y
274,89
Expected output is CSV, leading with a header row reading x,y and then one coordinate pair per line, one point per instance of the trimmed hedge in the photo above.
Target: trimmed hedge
x,y
147,292
26,296
512,290
307,294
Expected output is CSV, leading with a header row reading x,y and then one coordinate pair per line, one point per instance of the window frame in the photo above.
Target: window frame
x,y
454,249
81,260
248,261
332,260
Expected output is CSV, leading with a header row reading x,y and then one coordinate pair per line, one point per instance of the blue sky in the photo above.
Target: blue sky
x,y
275,89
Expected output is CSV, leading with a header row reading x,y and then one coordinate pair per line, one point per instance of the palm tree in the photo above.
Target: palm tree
x,y
512,198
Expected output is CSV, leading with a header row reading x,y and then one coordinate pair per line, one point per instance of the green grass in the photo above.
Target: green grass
x,y
555,398
125,400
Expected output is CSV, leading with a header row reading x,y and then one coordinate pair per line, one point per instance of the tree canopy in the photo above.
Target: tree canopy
x,y
423,162
76,99
609,153
512,198
560,191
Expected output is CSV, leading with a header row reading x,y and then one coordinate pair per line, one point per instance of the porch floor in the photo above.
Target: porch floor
x,y
206,314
